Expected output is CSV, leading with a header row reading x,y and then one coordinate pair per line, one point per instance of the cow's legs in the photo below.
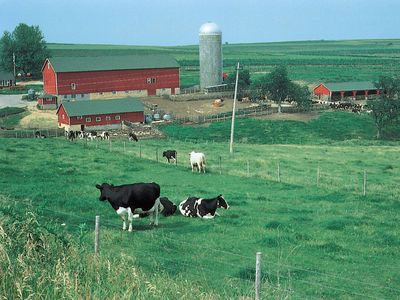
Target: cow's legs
x,y
154,213
122,213
130,218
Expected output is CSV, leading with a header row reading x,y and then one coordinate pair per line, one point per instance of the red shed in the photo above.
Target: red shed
x,y
100,77
340,90
99,114
47,101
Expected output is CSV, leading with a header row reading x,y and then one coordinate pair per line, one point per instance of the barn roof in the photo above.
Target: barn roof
x,y
350,86
6,75
108,63
99,107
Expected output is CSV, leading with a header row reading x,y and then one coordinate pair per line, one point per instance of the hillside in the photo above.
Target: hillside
x,y
320,238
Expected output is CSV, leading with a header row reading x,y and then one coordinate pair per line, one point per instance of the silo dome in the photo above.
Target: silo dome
x,y
209,28
210,55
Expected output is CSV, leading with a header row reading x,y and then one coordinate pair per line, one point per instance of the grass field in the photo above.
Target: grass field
x,y
327,241
307,61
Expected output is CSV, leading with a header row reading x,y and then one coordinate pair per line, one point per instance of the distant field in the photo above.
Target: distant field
x,y
308,61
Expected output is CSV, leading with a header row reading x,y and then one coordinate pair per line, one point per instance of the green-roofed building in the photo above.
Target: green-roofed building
x,y
99,114
7,79
356,90
102,77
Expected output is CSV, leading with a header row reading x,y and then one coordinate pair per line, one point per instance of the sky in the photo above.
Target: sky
x,y
175,23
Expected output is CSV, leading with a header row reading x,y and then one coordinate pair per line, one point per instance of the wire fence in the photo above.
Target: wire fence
x,y
235,269
315,173
32,133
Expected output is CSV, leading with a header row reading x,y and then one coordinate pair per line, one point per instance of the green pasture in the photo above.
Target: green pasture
x,y
322,239
308,61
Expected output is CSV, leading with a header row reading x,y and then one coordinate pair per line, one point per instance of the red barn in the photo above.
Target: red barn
x,y
340,90
100,77
47,101
99,114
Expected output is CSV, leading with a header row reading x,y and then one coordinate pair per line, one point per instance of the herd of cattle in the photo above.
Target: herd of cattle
x,y
92,135
143,199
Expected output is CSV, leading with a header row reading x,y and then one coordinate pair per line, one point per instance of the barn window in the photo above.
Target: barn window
x,y
153,80
73,96
114,92
65,96
88,119
148,80
73,86
117,117
82,95
98,119
108,118
79,117
63,116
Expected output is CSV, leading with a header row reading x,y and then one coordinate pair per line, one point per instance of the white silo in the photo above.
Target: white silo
x,y
210,55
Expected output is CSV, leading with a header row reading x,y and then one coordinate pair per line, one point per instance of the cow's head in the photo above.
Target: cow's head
x,y
168,207
222,202
104,188
164,154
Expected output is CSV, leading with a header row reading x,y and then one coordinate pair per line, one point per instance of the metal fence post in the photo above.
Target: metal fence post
x,y
97,236
258,276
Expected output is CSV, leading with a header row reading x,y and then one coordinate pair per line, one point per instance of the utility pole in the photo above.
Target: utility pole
x,y
234,110
14,63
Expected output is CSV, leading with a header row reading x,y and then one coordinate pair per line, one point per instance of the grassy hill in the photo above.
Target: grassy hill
x,y
308,61
326,241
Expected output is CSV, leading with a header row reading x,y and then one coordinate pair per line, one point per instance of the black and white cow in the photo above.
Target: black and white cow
x,y
202,208
39,135
170,155
132,199
105,135
91,135
132,137
71,135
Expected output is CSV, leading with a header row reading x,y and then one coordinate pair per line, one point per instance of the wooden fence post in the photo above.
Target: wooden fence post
x,y
248,168
279,171
157,154
110,144
365,183
220,165
97,236
258,276
318,175
124,147
140,151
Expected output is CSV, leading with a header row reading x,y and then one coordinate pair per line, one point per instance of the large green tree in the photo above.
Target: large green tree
x,y
244,81
278,87
385,109
29,47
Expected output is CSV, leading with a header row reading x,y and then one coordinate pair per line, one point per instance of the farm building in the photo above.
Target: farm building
x,y
100,114
105,77
47,101
340,90
7,79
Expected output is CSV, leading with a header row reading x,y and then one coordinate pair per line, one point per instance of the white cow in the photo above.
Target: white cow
x,y
198,160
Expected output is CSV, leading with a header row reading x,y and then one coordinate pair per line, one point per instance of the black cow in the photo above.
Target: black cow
x,y
170,154
71,135
202,208
132,137
132,199
167,208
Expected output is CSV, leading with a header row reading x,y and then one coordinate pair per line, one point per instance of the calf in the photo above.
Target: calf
x,y
130,199
166,208
198,160
132,137
170,154
202,208
105,135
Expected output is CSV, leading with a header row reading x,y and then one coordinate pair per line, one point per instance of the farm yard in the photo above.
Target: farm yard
x,y
314,191
326,222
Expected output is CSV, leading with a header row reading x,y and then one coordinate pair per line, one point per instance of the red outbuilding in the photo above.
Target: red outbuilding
x,y
99,114
47,101
104,77
341,90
